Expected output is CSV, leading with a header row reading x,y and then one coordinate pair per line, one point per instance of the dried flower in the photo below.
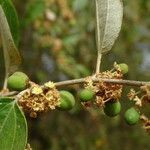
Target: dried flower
x,y
146,93
131,95
36,99
146,123
138,101
28,147
107,91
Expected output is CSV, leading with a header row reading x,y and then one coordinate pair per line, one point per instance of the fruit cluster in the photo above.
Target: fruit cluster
x,y
111,108
34,98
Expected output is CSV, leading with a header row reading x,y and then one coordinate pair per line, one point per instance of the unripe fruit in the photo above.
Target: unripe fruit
x,y
86,95
67,101
124,68
18,81
112,109
131,116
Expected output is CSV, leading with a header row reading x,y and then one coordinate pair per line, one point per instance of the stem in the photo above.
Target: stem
x,y
9,94
98,39
98,64
5,82
111,81
94,79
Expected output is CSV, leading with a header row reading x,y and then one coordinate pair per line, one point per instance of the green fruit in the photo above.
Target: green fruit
x,y
112,109
131,116
86,95
67,101
124,68
18,81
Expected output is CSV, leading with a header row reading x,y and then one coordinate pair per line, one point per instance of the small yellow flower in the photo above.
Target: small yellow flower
x,y
49,85
36,90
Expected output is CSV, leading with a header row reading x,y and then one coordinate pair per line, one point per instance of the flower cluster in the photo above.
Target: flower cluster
x,y
143,98
108,91
38,99
140,100
105,91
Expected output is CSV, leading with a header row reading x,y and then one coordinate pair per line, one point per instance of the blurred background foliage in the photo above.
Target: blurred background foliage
x,y
57,42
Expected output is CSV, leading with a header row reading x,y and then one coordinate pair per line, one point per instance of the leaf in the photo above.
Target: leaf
x,y
11,54
13,126
109,19
12,19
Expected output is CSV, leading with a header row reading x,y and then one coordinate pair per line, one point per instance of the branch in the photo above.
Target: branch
x,y
111,81
94,79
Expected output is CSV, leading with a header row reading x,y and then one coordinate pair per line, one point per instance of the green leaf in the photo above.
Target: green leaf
x,y
13,126
12,19
11,53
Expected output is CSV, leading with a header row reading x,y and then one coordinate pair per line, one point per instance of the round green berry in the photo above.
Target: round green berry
x,y
86,95
124,68
112,109
67,101
131,116
18,81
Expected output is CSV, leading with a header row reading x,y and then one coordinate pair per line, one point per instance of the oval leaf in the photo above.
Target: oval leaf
x,y
12,19
109,19
11,54
13,127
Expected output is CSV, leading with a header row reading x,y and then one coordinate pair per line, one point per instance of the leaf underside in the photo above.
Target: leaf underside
x,y
109,15
11,54
12,19
13,127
